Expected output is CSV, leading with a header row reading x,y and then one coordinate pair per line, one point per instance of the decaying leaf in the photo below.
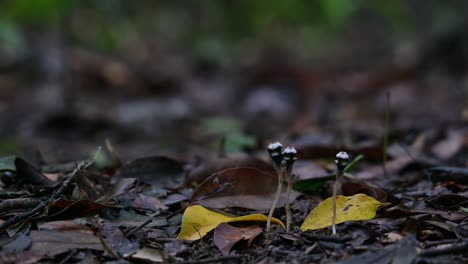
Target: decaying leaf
x,y
199,172
239,187
226,236
403,251
67,209
65,225
149,254
122,186
51,243
348,208
28,174
198,221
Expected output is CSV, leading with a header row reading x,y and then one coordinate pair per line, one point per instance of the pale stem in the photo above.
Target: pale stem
x,y
335,188
287,205
275,201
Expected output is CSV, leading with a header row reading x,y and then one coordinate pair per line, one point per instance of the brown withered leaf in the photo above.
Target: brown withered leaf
x,y
122,186
66,209
65,225
23,257
202,171
115,239
226,236
148,202
52,243
239,187
28,174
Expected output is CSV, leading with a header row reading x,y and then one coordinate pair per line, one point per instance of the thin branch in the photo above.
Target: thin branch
x,y
221,259
40,208
453,249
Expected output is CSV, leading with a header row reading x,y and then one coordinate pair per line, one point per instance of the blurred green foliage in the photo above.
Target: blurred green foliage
x,y
229,133
211,28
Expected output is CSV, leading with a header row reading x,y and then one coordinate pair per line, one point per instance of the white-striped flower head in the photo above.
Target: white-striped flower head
x,y
289,153
289,156
342,159
274,150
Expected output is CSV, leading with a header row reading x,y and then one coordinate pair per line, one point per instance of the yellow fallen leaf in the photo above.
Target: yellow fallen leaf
x,y
198,221
348,208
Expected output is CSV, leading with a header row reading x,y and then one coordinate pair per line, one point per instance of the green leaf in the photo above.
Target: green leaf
x,y
353,163
312,185
7,163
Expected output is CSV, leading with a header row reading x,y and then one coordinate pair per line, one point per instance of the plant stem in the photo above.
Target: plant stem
x,y
287,205
335,189
277,196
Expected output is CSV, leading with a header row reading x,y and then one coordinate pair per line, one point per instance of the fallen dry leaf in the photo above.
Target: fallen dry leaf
x,y
449,146
149,254
198,221
52,243
239,187
226,236
122,186
65,225
348,208
66,209
200,172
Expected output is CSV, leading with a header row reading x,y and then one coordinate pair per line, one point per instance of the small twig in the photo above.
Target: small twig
x,y
140,226
440,242
68,257
150,219
454,249
221,259
38,209
106,247
11,195
18,203
339,239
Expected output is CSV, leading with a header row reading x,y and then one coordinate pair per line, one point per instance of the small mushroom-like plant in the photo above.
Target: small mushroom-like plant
x,y
283,163
274,150
341,161
289,156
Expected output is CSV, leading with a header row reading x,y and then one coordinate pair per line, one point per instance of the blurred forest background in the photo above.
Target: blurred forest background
x,y
171,76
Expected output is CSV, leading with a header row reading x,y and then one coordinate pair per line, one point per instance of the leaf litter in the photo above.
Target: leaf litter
x,y
133,207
